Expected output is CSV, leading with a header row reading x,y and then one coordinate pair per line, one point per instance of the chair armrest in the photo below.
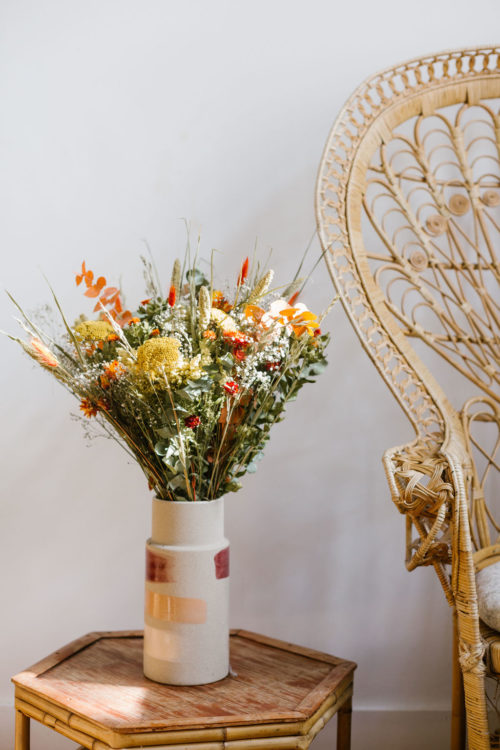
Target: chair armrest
x,y
422,482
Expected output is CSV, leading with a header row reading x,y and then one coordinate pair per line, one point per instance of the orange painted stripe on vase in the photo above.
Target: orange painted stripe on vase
x,y
176,608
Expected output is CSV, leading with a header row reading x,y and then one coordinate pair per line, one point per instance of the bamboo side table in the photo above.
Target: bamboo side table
x,y
93,691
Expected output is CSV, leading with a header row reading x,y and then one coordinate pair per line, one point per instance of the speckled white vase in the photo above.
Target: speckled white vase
x,y
186,623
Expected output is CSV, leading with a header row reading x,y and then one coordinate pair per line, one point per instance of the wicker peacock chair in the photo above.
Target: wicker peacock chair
x,y
408,211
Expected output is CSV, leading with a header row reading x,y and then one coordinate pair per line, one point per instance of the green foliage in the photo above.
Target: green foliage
x,y
194,405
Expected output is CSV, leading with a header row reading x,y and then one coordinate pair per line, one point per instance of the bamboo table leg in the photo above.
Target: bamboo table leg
x,y
22,731
344,726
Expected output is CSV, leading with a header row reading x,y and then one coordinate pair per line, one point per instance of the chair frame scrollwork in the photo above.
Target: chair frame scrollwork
x,y
432,480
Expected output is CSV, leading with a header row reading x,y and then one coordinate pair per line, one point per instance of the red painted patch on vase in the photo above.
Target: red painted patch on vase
x,y
222,563
159,568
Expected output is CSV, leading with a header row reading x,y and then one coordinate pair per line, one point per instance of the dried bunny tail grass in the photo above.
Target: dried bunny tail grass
x,y
261,288
176,276
204,307
43,356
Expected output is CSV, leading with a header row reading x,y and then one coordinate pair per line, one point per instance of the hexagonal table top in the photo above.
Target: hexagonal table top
x,y
96,685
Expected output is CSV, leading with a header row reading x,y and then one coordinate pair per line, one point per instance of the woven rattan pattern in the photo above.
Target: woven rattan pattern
x,y
408,210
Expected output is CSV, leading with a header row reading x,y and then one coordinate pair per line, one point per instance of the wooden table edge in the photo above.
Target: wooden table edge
x,y
84,731
292,648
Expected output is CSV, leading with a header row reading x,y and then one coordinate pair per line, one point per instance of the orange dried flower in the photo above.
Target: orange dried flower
x,y
114,369
132,321
210,335
88,408
113,337
154,332
220,302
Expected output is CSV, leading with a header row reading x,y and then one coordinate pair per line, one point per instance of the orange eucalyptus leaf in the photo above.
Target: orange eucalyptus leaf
x,y
254,311
79,276
125,318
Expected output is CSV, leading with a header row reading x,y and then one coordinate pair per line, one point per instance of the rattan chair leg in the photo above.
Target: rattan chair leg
x,y
457,696
344,726
22,732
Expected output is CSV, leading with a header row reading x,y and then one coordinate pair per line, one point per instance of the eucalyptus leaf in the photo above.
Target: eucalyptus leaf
x,y
168,430
198,278
161,447
227,361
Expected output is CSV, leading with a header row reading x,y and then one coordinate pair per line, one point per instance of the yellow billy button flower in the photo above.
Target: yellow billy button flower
x,y
97,330
159,354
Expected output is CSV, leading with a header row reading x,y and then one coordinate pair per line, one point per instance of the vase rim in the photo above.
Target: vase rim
x,y
189,502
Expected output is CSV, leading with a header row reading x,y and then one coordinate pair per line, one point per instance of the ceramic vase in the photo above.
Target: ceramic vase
x,y
186,629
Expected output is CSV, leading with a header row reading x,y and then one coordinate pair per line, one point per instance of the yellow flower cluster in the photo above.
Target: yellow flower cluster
x,y
95,330
161,356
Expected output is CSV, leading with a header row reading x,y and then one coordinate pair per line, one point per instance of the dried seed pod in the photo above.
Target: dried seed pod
x,y
204,307
261,288
176,276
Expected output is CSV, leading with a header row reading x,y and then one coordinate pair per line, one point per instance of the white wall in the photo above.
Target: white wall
x,y
118,118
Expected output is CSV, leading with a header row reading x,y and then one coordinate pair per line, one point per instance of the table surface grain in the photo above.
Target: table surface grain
x,y
99,677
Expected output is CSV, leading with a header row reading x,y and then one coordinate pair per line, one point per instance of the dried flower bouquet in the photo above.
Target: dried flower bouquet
x,y
191,382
